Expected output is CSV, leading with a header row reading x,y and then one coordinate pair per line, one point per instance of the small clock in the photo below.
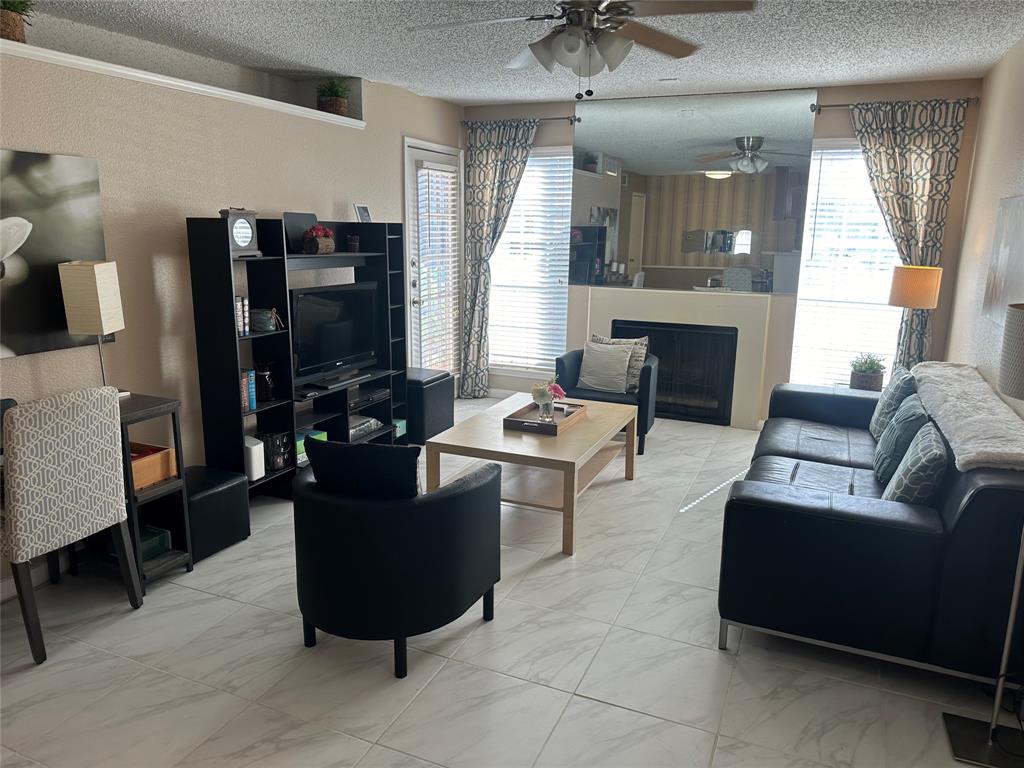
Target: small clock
x,y
241,232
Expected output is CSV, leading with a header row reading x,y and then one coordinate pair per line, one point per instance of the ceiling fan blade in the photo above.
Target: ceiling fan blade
x,y
655,39
524,60
485,22
781,154
680,7
713,157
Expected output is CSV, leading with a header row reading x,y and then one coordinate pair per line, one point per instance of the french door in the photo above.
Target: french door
x,y
433,195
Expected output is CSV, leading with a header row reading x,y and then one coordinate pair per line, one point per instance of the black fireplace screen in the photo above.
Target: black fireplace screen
x,y
696,366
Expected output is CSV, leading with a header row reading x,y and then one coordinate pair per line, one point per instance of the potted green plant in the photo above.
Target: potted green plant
x,y
332,96
866,372
588,161
14,14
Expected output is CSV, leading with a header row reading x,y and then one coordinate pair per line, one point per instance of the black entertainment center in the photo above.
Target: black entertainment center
x,y
340,354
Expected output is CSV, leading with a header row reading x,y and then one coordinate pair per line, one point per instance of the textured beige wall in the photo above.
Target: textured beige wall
x,y
835,123
165,155
998,173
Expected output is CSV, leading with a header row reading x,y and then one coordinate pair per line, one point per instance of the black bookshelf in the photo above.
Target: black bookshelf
x,y
217,278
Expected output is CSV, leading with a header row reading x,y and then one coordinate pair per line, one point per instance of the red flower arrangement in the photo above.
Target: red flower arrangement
x,y
556,390
318,231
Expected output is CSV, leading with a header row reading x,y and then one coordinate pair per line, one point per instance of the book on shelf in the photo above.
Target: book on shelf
x,y
238,315
250,381
243,382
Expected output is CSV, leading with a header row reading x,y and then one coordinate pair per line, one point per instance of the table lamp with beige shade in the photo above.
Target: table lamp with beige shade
x,y
92,300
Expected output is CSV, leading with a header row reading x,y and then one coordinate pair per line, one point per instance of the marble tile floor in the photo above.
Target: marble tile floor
x,y
607,659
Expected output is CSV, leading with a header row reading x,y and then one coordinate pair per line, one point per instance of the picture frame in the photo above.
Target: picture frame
x,y
362,213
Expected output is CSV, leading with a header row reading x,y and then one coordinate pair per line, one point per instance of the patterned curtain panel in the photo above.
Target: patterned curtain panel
x,y
496,155
912,149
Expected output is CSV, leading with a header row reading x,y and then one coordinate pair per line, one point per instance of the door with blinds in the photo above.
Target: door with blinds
x,y
434,255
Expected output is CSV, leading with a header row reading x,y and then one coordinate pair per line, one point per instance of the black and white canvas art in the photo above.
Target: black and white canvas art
x,y
49,213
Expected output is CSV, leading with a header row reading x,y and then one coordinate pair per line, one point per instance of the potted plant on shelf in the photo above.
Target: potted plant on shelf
x,y
588,162
332,96
866,372
14,14
318,240
544,395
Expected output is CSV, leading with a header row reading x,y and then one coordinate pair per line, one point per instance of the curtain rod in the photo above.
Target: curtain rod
x,y
816,108
571,118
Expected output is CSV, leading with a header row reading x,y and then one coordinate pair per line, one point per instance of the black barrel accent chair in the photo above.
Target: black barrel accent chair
x,y
388,569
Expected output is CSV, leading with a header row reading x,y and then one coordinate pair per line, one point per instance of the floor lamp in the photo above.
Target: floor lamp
x,y
974,741
92,300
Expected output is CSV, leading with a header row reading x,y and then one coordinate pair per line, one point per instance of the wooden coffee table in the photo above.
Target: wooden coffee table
x,y
545,471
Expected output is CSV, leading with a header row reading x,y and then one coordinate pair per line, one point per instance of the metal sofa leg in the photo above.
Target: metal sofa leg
x,y
723,635
640,445
489,604
308,634
53,566
29,612
401,667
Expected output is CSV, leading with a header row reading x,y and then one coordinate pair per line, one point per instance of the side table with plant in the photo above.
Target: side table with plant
x,y
866,372
332,96
318,240
14,15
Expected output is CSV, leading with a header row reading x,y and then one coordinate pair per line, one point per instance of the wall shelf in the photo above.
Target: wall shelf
x,y
62,59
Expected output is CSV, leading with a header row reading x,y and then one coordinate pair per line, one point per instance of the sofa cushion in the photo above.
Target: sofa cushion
x,y
923,466
626,398
852,481
365,470
896,438
605,366
899,388
809,440
637,356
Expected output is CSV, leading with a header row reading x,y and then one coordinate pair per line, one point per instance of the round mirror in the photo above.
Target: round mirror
x,y
242,232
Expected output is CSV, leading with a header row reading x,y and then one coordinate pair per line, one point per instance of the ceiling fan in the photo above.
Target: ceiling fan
x,y
748,157
594,34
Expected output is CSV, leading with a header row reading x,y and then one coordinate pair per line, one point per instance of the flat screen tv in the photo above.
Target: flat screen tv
x,y
334,328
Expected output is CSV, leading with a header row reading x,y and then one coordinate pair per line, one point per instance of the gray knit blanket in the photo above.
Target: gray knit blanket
x,y
981,429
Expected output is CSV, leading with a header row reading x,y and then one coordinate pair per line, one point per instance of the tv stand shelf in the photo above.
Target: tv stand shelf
x,y
217,278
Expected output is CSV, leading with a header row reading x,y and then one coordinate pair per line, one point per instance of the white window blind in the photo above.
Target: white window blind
x,y
530,267
845,273
435,321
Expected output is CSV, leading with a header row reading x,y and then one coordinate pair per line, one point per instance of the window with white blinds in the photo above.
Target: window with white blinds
x,y
845,273
434,322
530,267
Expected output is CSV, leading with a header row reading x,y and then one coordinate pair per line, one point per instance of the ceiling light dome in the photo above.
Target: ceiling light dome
x,y
593,63
613,49
543,51
570,48
718,174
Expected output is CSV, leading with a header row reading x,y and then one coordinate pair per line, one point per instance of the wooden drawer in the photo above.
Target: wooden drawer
x,y
152,464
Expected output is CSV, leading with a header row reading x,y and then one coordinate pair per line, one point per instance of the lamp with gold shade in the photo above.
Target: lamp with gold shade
x,y
92,300
915,287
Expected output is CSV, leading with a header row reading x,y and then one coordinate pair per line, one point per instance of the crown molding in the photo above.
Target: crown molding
x,y
72,61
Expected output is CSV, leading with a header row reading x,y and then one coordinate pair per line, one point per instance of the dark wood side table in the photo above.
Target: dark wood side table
x,y
166,502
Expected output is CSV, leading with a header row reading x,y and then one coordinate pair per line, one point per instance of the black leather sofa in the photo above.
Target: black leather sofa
x,y
391,569
567,369
811,550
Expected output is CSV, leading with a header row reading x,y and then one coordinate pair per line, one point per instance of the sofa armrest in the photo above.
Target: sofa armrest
x,y
841,569
648,394
567,368
847,408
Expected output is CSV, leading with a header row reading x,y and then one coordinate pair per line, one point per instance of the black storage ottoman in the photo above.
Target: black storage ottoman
x,y
218,509
431,403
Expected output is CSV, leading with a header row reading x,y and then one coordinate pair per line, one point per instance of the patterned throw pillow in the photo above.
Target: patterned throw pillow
x,y
922,469
900,386
636,357
895,440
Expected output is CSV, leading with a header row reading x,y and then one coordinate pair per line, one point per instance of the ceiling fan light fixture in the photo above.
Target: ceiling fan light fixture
x,y
592,64
613,49
745,164
759,163
543,51
570,48
718,174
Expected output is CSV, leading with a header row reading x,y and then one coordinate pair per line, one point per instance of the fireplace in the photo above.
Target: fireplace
x,y
696,367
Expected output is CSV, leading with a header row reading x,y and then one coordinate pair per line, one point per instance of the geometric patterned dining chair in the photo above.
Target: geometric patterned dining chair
x,y
63,481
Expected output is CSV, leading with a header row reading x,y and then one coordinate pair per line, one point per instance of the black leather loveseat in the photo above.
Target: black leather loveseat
x,y
811,550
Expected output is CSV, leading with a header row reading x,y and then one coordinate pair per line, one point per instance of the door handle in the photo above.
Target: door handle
x,y
414,302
